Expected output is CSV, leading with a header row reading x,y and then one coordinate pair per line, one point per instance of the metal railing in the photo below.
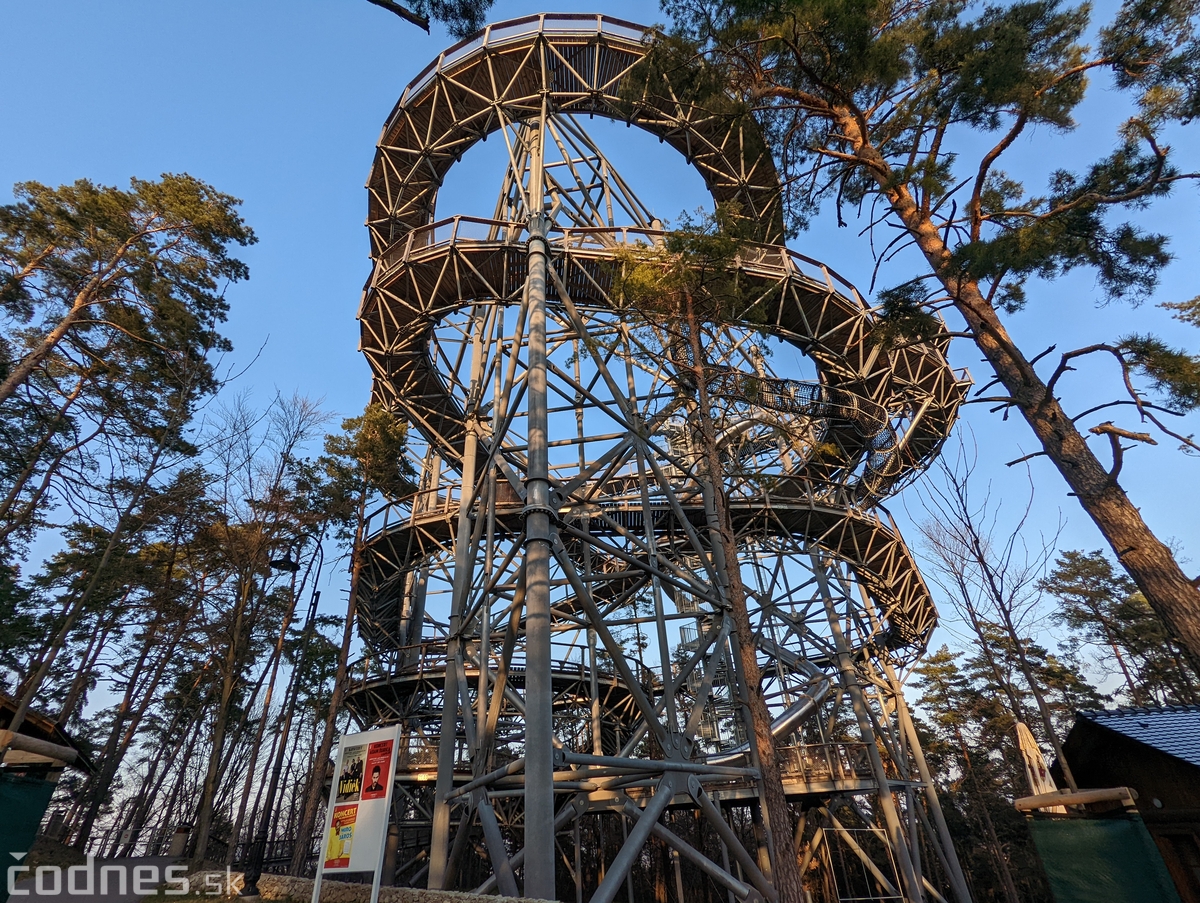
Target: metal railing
x,y
427,660
515,30
451,230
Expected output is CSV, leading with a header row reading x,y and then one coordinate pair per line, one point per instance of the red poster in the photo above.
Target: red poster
x,y
341,837
378,771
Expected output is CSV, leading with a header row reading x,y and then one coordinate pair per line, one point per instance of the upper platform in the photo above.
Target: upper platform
x,y
579,64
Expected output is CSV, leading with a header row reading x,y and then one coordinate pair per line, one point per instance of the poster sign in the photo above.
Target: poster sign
x,y
341,837
380,756
356,819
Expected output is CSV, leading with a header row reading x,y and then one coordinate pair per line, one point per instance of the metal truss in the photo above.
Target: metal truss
x,y
547,615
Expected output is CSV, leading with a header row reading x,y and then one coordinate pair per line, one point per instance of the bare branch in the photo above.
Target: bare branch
x,y
1109,428
1025,458
1123,401
406,14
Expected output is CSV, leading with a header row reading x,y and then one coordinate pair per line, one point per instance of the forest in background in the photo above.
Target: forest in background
x,y
174,632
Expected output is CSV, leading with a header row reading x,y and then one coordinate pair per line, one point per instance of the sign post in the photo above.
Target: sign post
x,y
356,819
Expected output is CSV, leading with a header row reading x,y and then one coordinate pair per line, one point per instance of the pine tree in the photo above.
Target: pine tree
x,y
879,105
368,457
679,295
1106,611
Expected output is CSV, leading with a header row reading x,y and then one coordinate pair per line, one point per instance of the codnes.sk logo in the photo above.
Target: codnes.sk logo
x,y
144,880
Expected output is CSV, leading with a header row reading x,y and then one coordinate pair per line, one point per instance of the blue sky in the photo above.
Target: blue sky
x,y
281,103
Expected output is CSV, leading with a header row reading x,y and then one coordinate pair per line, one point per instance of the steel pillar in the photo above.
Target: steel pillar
x,y
850,683
539,695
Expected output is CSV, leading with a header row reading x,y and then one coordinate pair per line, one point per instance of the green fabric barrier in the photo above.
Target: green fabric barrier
x,y
23,802
1109,859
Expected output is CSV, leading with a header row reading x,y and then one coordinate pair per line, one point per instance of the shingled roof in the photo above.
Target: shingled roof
x,y
43,727
1172,729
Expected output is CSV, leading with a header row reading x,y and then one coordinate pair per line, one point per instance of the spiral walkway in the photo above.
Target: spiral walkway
x,y
644,689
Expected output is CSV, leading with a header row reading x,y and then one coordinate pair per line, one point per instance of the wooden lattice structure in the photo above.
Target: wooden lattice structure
x,y
546,615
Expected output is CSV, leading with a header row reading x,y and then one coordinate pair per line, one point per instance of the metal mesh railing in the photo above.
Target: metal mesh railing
x,y
792,396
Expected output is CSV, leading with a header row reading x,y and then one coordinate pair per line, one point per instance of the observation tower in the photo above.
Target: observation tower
x,y
548,617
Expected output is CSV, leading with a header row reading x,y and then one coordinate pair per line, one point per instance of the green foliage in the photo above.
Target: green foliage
x,y
1008,58
1171,371
155,257
34,433
864,97
18,624
70,569
461,17
1105,611
110,307
373,446
122,289
698,260
1187,311
1047,237
1154,53
316,654
971,702
903,318
995,694
368,455
968,739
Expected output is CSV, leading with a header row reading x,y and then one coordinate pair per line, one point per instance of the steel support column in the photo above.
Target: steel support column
x,y
849,678
539,723
439,851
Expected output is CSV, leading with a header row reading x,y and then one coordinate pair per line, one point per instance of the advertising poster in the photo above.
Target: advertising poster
x,y
380,756
360,798
350,777
341,837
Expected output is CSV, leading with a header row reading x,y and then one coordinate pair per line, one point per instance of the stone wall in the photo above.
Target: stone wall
x,y
299,890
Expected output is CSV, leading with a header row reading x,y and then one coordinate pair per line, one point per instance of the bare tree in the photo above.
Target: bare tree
x,y
256,528
992,576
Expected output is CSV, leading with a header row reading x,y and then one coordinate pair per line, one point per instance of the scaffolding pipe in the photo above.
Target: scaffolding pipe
x,y
895,830
539,692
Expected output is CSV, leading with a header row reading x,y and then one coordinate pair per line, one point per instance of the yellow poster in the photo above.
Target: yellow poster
x,y
341,837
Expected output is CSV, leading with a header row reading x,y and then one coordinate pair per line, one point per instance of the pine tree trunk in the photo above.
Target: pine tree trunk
x,y
316,783
1039,697
273,665
178,786
1146,558
143,801
97,787
76,607
79,684
229,682
785,867
25,367
1006,879
120,740
8,523
86,297
150,789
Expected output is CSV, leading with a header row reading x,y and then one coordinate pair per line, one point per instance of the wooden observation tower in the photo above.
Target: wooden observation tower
x,y
547,617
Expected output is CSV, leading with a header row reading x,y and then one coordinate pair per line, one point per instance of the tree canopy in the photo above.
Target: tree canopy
x,y
876,109
90,264
461,17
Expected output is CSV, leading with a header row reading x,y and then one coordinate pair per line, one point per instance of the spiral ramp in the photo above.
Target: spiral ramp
x,y
656,790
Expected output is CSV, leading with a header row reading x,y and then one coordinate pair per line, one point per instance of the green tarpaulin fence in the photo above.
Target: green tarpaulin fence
x,y
1102,859
23,802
